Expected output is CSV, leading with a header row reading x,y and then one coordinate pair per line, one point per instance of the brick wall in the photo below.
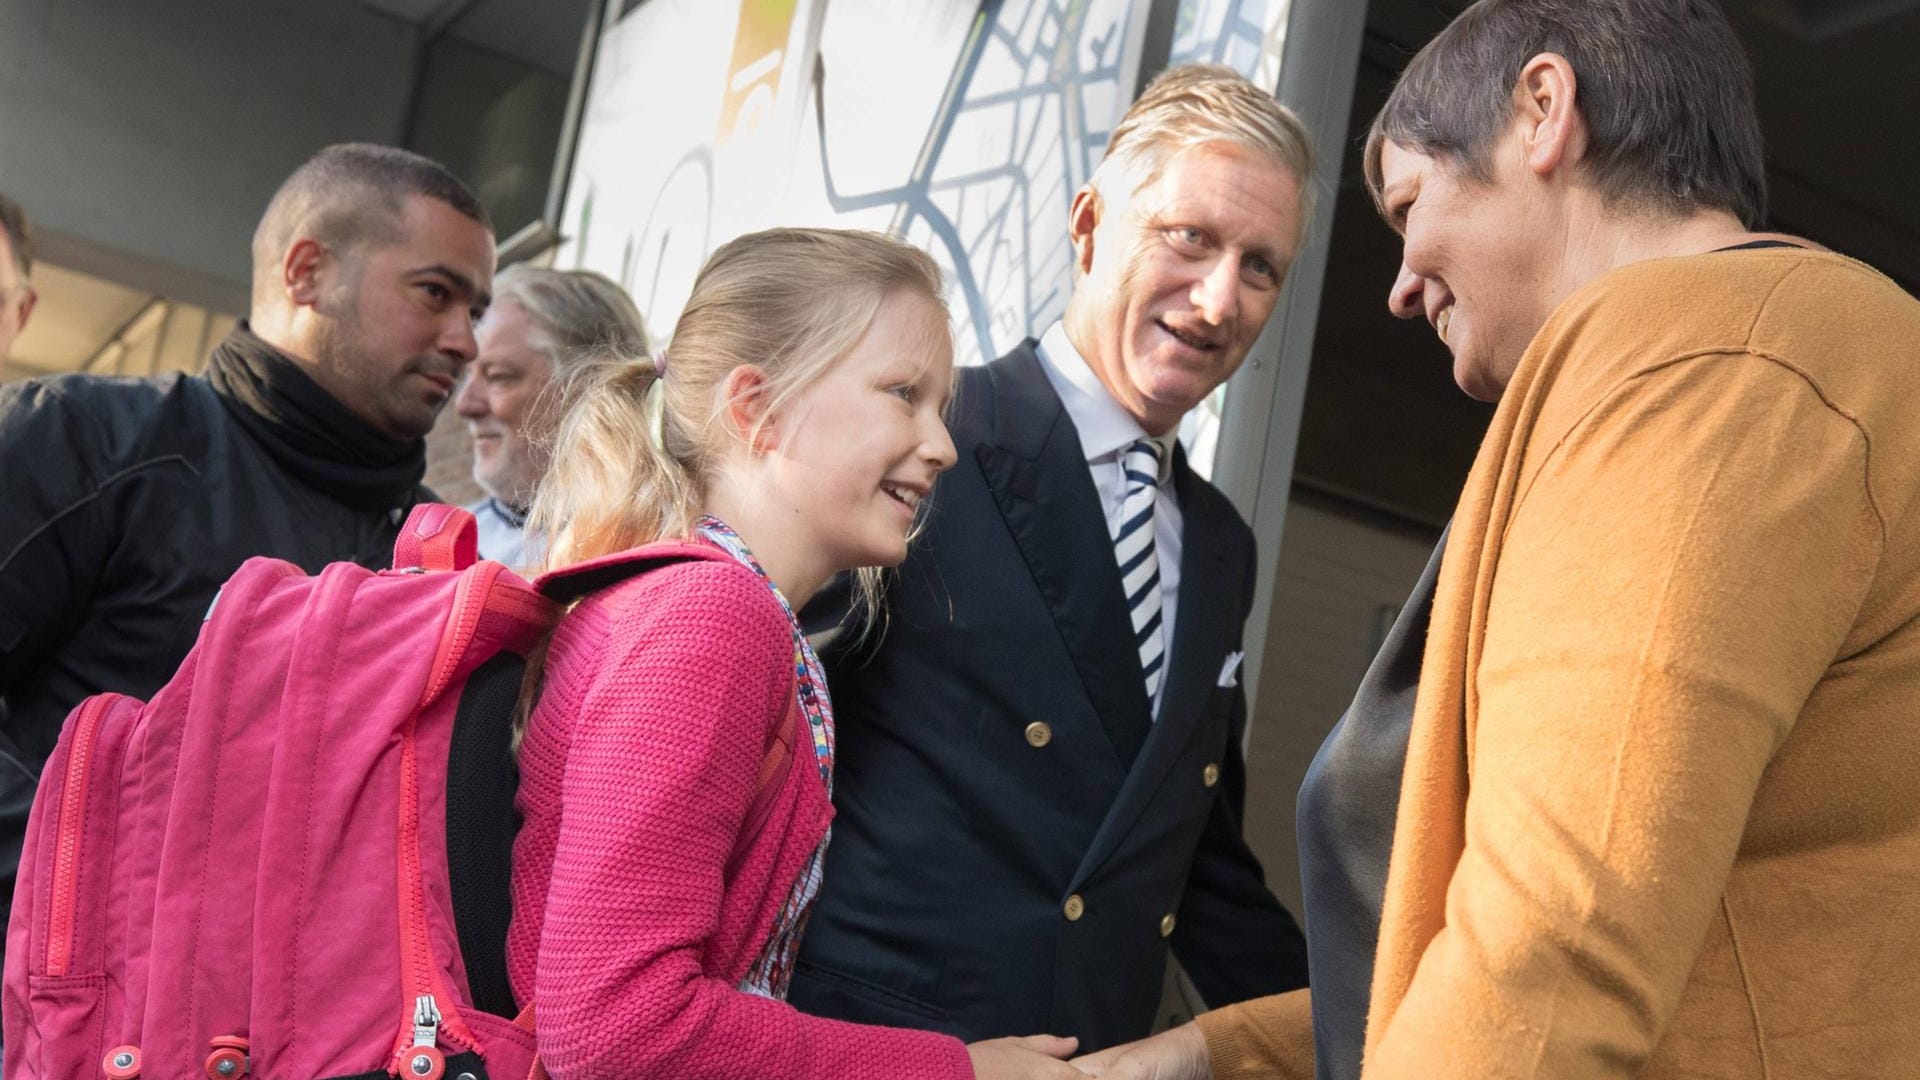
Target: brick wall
x,y
450,460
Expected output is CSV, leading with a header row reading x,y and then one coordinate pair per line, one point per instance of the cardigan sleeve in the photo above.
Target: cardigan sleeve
x,y
659,777
1676,576
1269,1038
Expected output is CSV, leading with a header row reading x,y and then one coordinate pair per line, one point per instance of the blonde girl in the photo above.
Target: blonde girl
x,y
661,883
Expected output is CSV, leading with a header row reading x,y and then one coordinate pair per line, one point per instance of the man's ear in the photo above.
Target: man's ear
x,y
27,300
300,271
1554,133
745,403
1083,217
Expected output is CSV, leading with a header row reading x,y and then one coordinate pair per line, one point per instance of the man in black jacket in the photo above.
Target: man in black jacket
x,y
125,503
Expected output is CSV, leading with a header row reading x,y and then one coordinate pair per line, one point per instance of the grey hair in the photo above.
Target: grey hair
x,y
573,315
1665,88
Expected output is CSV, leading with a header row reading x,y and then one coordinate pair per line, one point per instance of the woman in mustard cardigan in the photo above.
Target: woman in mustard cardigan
x,y
1657,814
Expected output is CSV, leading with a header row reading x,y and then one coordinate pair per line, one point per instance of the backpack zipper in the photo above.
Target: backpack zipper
x,y
428,1009
469,601
423,1058
70,831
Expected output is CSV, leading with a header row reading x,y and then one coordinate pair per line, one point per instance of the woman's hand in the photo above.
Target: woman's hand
x,y
1027,1057
1175,1054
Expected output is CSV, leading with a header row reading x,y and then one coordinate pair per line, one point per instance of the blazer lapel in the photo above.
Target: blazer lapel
x,y
1203,631
1038,473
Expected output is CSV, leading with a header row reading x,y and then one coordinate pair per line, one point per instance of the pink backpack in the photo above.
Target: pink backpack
x,y
294,861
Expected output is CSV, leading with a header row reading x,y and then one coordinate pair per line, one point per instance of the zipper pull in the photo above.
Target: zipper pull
x,y
425,1061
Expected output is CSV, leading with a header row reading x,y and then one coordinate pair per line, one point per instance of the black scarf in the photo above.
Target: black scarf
x,y
307,432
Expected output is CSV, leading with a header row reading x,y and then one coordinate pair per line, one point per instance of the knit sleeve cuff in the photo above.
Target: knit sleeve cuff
x,y
1221,1028
1268,1038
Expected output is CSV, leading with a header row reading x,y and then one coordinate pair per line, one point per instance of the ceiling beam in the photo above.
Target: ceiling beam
x,y
442,17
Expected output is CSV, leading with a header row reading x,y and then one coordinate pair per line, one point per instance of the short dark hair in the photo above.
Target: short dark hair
x,y
351,193
1665,88
13,222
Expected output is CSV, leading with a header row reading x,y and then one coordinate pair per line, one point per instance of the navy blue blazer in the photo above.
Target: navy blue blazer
x,y
1018,841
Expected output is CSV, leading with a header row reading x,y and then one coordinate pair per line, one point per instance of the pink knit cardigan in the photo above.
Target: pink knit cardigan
x,y
637,772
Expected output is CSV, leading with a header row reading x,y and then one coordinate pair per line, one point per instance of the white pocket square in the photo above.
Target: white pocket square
x,y
1230,671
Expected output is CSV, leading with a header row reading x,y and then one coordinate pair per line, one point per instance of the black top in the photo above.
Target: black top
x,y
1756,245
1345,830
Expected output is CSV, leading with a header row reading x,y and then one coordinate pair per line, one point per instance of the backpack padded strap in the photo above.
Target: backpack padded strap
x,y
437,537
481,823
570,583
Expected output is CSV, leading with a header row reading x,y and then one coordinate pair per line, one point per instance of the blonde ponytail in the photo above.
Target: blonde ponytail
x,y
611,485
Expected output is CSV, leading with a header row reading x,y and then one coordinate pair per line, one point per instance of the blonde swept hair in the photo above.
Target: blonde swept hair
x,y
1194,104
791,301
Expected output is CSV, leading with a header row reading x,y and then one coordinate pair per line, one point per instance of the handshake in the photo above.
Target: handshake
x,y
1176,1054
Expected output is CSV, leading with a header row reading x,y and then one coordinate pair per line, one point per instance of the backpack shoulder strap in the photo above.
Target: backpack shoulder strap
x,y
570,583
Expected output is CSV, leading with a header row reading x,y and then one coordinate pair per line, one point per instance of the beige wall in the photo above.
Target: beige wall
x,y
1343,574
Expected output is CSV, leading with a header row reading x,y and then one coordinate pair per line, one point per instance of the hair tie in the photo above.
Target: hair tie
x,y
660,364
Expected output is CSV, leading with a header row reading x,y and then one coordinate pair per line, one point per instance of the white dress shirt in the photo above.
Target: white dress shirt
x,y
503,534
1106,430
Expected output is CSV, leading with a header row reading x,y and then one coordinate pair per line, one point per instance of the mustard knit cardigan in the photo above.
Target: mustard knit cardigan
x,y
1661,809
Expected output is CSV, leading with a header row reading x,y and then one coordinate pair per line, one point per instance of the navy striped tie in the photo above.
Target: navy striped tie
x,y
1139,565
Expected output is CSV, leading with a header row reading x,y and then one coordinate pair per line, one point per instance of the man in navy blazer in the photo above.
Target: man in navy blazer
x,y
1039,778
